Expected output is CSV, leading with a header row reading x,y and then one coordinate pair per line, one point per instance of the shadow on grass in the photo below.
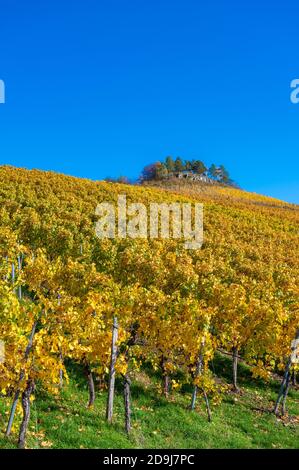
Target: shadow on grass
x,y
222,368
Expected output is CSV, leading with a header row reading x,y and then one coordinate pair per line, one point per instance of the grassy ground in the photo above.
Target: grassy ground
x,y
241,421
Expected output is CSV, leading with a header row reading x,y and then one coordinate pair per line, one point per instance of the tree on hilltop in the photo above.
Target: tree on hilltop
x,y
198,167
169,163
212,171
154,171
179,165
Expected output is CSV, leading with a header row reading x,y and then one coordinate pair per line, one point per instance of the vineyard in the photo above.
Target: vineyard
x,y
111,313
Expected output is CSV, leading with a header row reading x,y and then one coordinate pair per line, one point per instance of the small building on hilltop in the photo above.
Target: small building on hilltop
x,y
191,176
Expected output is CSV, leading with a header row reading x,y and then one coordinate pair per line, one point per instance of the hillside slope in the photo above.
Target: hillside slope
x,y
176,308
64,421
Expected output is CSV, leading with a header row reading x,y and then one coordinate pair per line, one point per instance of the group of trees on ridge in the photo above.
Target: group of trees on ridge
x,y
171,168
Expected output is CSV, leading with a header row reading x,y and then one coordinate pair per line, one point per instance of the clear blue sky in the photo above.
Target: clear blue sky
x,y
100,88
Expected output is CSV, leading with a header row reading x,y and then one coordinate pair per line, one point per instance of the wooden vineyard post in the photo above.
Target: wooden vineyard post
x,y
199,370
235,369
127,402
109,411
19,271
198,373
13,274
91,386
165,377
285,384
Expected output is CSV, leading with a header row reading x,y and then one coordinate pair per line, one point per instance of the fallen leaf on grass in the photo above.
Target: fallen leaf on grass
x,y
46,444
